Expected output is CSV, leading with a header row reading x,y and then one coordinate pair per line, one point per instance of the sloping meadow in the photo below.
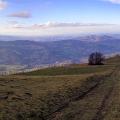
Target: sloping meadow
x,y
40,97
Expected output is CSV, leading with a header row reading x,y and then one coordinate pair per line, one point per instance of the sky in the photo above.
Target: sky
x,y
58,17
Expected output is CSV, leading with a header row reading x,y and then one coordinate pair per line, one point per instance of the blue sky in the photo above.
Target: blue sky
x,y
51,17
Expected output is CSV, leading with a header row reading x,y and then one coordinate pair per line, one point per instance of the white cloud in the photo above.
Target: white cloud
x,y
58,25
23,14
3,4
56,28
52,28
113,1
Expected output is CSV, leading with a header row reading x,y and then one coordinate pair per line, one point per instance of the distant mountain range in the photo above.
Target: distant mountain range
x,y
76,49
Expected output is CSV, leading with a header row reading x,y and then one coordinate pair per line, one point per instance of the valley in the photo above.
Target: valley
x,y
18,55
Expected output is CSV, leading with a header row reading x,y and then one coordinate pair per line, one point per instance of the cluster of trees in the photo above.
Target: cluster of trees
x,y
96,58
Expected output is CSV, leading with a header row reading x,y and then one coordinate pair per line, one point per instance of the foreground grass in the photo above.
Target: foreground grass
x,y
97,104
37,98
55,93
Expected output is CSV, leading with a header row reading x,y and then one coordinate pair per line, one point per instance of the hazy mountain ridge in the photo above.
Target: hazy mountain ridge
x,y
48,52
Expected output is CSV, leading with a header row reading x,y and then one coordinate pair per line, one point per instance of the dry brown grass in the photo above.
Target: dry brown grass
x,y
40,97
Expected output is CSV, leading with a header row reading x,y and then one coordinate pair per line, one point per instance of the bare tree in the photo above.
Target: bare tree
x,y
96,58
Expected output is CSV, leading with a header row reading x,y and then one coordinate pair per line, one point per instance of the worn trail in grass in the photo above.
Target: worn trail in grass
x,y
101,103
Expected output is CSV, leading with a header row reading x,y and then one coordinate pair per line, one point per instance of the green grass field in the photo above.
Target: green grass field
x,y
69,70
75,92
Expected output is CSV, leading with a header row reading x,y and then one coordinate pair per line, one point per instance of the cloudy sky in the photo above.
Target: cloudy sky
x,y
54,17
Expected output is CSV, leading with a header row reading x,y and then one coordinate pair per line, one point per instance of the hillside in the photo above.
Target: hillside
x,y
35,53
69,70
78,92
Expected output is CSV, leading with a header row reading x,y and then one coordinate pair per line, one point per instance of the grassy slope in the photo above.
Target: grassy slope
x,y
69,70
40,96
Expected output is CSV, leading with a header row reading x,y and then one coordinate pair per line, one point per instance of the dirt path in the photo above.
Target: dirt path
x,y
97,103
